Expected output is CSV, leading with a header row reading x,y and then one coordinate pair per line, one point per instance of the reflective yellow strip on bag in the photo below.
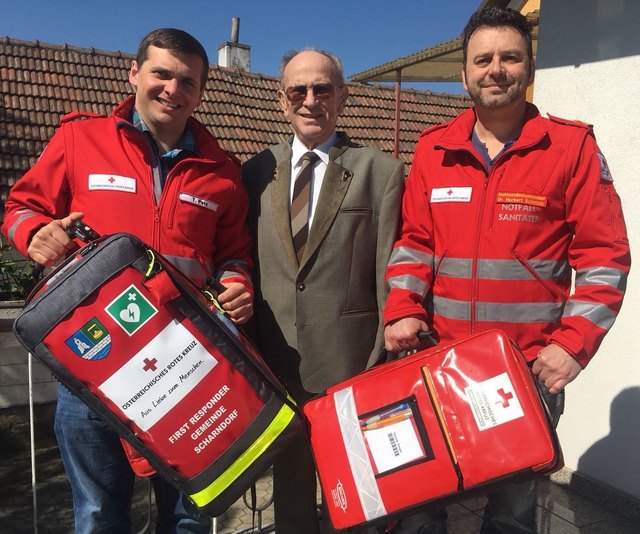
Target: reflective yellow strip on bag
x,y
275,428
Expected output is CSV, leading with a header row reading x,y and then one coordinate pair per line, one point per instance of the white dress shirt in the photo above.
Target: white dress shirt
x,y
297,151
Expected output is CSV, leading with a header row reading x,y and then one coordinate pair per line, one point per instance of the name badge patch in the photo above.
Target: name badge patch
x,y
505,197
112,182
451,194
203,203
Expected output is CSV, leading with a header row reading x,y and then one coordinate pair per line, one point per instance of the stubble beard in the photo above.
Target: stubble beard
x,y
485,100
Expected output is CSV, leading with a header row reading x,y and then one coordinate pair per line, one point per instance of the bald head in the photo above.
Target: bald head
x,y
312,95
333,59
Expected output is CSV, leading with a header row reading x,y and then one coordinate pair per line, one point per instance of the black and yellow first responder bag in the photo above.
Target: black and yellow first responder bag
x,y
144,348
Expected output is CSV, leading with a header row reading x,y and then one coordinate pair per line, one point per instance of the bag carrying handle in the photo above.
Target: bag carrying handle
x,y
386,356
77,229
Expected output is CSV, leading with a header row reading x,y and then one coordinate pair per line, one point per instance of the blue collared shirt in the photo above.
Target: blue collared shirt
x,y
185,146
482,149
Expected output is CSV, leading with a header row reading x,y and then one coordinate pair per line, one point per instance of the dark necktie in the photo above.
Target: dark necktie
x,y
300,203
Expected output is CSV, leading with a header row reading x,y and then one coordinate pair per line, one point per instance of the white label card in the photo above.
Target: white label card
x,y
112,182
393,445
451,194
202,202
154,380
493,402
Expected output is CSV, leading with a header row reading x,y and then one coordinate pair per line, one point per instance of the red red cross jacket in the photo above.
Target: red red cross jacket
x,y
105,168
496,249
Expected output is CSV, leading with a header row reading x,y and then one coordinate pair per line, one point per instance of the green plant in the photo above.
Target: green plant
x,y
17,276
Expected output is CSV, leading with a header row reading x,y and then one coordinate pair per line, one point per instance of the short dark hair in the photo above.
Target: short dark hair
x,y
495,17
179,43
335,61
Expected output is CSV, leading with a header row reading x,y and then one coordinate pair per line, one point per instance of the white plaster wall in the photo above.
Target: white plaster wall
x,y
589,70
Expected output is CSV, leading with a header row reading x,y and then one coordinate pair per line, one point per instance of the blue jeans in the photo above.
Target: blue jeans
x,y
509,510
102,480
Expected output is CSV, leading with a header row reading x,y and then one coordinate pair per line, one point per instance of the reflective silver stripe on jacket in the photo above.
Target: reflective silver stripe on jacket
x,y
504,269
230,268
514,270
488,269
361,469
454,267
602,276
525,312
24,215
227,274
598,314
189,266
412,283
522,312
402,255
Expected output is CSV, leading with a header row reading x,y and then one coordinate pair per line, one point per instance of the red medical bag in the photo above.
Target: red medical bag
x,y
428,427
143,347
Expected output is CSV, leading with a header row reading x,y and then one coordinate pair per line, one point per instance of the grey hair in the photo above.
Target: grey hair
x,y
335,61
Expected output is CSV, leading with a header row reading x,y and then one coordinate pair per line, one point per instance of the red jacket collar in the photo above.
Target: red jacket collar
x,y
457,133
208,145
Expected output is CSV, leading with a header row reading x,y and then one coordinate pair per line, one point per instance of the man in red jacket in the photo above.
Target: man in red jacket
x,y
500,206
151,170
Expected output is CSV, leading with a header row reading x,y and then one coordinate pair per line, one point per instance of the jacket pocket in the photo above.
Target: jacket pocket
x,y
613,210
543,283
358,313
190,213
356,210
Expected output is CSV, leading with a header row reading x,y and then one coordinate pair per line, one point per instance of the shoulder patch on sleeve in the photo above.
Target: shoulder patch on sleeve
x,y
568,122
433,129
76,115
605,173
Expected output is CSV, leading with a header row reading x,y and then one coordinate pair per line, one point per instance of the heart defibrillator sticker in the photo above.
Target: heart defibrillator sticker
x,y
131,310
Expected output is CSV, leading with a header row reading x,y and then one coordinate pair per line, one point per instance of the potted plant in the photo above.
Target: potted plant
x,y
17,276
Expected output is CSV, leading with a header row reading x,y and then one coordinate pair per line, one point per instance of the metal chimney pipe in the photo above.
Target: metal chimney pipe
x,y
231,53
235,29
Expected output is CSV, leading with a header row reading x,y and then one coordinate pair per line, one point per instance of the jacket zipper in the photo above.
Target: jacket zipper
x,y
474,259
205,268
493,204
496,169
476,246
174,197
154,169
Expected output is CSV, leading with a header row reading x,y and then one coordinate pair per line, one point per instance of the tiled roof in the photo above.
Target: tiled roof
x,y
41,82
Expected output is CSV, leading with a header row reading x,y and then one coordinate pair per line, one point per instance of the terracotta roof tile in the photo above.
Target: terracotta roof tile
x,y
41,82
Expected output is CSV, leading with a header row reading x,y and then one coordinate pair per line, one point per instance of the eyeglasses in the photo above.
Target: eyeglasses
x,y
321,91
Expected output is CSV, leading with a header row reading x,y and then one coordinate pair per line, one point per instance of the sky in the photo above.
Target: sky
x,y
364,33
